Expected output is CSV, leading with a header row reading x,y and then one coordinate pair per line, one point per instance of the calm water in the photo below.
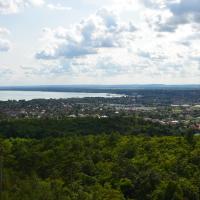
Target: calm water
x,y
29,95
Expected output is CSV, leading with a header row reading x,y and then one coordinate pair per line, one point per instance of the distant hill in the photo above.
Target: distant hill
x,y
98,88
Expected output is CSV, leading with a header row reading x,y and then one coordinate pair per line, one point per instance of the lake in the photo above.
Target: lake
x,y
29,95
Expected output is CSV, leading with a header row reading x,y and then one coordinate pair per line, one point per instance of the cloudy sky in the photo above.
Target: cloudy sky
x,y
99,42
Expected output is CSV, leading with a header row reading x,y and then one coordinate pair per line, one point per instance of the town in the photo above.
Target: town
x,y
155,108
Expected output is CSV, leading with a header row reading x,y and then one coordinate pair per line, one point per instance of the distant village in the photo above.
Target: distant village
x,y
183,115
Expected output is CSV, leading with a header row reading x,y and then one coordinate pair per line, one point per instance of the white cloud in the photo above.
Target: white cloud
x,y
4,45
4,31
107,47
169,15
14,6
102,30
58,7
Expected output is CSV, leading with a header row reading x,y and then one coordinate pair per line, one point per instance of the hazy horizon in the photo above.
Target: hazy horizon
x,y
74,87
80,84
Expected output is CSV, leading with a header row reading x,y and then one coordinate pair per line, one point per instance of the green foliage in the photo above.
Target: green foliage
x,y
43,128
101,167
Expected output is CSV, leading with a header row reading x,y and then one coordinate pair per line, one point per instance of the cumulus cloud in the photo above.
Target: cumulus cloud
x,y
185,12
171,14
184,7
102,30
14,6
105,45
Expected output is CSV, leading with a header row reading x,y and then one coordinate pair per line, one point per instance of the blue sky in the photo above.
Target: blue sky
x,y
99,42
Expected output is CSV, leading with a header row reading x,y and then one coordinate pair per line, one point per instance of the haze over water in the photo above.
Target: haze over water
x,y
29,95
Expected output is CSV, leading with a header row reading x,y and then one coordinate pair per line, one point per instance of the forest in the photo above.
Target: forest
x,y
78,164
42,128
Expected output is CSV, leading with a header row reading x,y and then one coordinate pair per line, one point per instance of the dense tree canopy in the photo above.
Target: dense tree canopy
x,y
122,158
42,128
105,166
